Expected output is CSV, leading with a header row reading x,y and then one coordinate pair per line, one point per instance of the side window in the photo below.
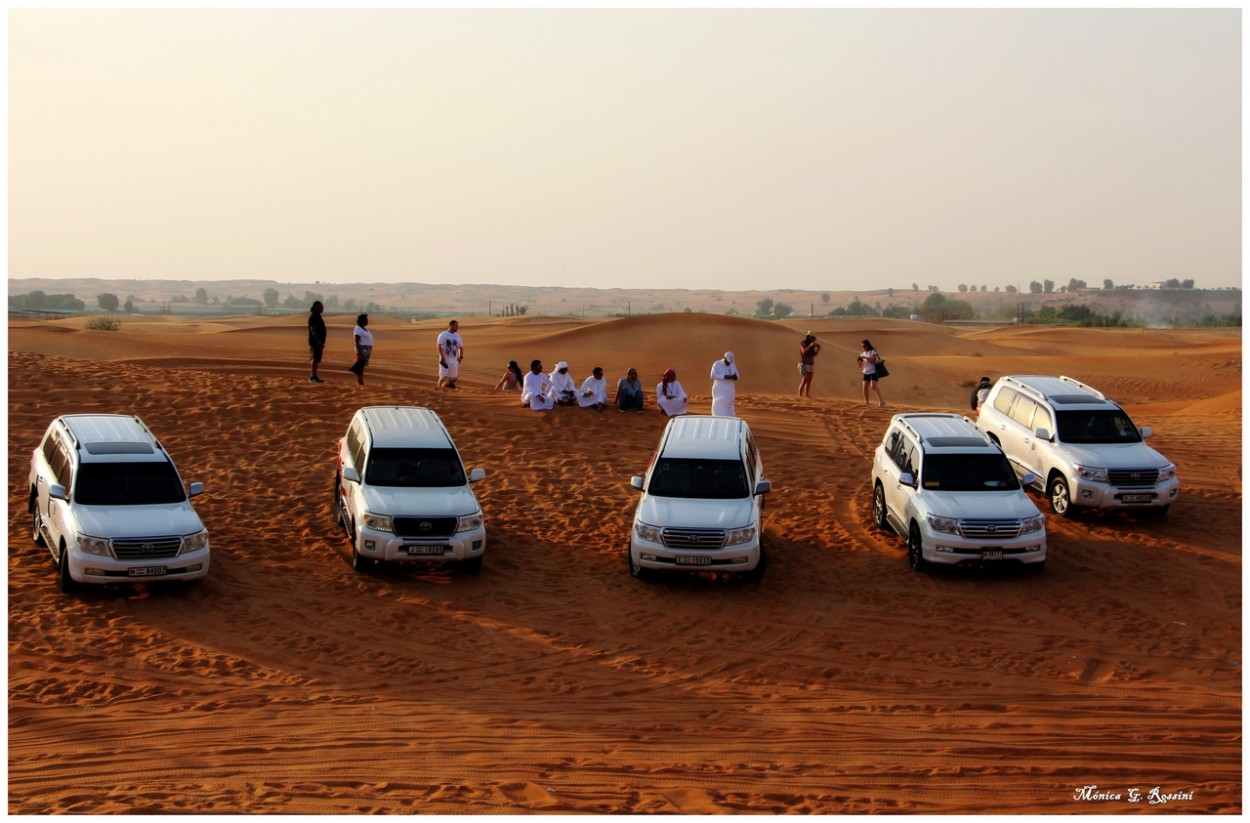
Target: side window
x,y
891,443
897,453
911,458
1022,412
62,466
356,448
1043,419
752,460
1003,401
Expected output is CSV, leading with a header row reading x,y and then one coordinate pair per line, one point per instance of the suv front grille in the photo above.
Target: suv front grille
x,y
694,538
425,526
989,529
1133,477
146,548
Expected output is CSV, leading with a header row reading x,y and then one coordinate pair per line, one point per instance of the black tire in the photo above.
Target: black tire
x,y
636,571
757,574
36,534
915,551
878,508
1036,568
336,505
473,565
1060,496
361,563
64,581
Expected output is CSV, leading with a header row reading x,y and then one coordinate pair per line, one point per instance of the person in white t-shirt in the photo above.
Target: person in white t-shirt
x,y
594,392
536,388
450,353
364,348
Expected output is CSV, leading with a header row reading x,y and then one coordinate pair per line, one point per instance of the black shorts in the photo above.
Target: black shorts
x,y
316,352
872,377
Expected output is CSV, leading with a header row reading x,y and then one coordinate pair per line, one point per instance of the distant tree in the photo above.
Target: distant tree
x,y
310,298
1107,284
331,301
271,298
963,286
983,288
934,288
1048,286
890,291
201,296
1187,284
129,305
1011,290
108,302
901,312
1075,285
782,310
290,302
824,298
1035,287
915,287
764,308
1173,283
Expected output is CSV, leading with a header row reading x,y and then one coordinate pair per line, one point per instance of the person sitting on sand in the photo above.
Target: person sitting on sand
x,y
629,392
512,377
562,387
594,391
669,395
536,389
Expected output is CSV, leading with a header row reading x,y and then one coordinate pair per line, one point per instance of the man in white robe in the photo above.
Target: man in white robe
x,y
669,395
536,388
724,385
563,389
594,392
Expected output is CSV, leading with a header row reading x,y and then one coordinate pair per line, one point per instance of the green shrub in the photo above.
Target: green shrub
x,y
104,324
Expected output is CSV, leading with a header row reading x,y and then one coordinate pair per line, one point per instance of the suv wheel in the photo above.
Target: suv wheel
x,y
64,581
36,524
336,505
361,563
757,574
878,508
473,565
1058,492
637,571
915,551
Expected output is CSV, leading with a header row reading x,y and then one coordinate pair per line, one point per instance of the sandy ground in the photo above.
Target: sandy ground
x,y
555,683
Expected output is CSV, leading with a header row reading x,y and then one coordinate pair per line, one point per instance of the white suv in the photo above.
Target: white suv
x,y
1081,448
401,492
951,494
108,503
702,501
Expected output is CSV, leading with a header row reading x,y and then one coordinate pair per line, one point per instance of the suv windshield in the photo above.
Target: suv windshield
x,y
685,477
969,473
128,484
414,468
1098,426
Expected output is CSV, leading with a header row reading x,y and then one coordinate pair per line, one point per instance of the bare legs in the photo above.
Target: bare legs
x,y
876,388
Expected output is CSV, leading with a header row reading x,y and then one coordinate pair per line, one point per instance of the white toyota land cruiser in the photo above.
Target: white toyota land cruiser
x,y
1081,448
108,503
401,492
952,496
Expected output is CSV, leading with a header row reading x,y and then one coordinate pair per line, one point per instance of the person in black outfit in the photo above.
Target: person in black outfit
x,y
316,338
980,392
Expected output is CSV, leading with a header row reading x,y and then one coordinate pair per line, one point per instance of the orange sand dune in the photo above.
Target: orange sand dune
x,y
554,683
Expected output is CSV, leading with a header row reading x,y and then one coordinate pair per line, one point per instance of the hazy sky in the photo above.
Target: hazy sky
x,y
697,148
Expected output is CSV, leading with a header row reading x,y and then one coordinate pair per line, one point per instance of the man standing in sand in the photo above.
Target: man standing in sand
x,y
316,338
724,380
450,353
808,350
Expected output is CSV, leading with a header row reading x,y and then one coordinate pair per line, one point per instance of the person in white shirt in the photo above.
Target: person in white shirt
x,y
536,388
563,389
450,353
594,393
364,348
724,383
669,395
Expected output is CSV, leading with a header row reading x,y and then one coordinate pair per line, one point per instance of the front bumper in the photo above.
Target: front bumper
x,y
94,568
941,548
386,547
1105,496
649,555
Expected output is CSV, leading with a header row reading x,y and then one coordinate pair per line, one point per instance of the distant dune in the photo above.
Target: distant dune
x,y
554,683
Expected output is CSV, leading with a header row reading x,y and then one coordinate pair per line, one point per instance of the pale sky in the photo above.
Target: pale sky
x,y
737,149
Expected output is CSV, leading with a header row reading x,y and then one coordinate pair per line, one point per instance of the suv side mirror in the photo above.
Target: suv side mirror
x,y
1042,433
57,491
636,482
1028,478
763,487
195,489
907,479
350,475
476,475
1146,432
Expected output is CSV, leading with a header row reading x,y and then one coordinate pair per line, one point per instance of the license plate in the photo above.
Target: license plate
x,y
148,571
426,551
992,554
693,560
1137,498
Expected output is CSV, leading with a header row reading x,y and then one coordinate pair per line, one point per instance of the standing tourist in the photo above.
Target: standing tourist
x,y
364,347
724,385
868,360
808,350
450,353
316,338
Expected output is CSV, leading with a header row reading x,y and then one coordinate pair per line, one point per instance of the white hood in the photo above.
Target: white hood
x,y
680,512
401,502
1115,455
1006,505
160,520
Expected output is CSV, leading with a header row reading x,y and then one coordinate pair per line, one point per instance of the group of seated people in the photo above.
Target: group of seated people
x,y
541,391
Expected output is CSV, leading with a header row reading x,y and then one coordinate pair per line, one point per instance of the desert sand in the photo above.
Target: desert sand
x,y
555,683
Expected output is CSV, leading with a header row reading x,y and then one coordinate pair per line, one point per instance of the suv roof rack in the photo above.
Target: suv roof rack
x,y
905,421
1081,385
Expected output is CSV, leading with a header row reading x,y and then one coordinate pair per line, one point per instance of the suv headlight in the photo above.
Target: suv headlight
x,y
1032,524
194,542
946,525
95,545
736,537
648,532
470,523
378,522
1167,472
1090,473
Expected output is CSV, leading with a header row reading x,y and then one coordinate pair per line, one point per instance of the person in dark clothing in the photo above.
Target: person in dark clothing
x,y
316,338
980,393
